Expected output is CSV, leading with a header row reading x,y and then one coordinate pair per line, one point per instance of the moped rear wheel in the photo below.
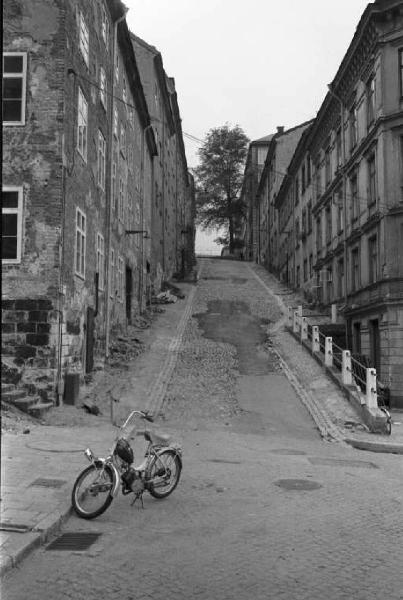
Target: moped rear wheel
x,y
92,491
164,472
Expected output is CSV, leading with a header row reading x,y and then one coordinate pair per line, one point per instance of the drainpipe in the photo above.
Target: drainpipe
x,y
142,200
344,194
109,205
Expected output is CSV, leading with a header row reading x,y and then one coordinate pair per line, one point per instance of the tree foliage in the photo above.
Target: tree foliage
x,y
219,180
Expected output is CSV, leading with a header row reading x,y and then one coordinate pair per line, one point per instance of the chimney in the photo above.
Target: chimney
x,y
280,129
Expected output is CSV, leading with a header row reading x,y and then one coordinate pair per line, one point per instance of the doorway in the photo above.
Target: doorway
x,y
129,294
375,345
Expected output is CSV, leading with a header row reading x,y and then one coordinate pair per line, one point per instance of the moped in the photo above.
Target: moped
x,y
158,473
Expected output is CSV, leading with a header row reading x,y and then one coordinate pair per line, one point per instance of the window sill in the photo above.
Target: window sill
x,y
10,261
13,123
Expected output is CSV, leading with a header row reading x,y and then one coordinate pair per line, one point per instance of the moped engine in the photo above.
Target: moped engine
x,y
132,482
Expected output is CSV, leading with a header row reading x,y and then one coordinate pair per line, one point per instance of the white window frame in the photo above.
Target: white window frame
x,y
123,139
22,75
117,66
115,123
82,124
18,211
80,243
84,40
101,160
105,28
102,87
124,91
112,283
120,278
101,261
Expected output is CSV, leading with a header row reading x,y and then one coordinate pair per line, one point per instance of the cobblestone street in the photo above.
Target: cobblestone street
x,y
265,509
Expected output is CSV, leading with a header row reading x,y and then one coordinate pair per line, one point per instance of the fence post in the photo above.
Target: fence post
x,y
315,339
290,316
371,395
304,328
346,372
328,352
334,313
296,322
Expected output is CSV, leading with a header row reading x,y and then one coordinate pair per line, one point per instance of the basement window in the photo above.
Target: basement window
x,y
11,215
14,87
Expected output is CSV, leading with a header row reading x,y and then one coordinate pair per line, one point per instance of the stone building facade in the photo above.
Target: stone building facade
x,y
342,226
79,155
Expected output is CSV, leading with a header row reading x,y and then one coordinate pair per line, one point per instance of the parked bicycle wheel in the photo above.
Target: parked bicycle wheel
x,y
92,491
164,472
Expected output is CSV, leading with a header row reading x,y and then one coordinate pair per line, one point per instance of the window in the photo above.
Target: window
x,y
318,235
338,148
318,181
372,191
328,216
372,259
355,201
82,123
303,222
117,66
112,274
305,269
355,270
84,42
329,284
298,277
101,261
296,191
115,122
310,266
123,139
81,227
113,202
353,127
121,207
370,101
328,166
14,87
308,170
309,216
340,278
120,279
102,86
338,200
105,27
303,178
101,160
11,217
401,71
124,91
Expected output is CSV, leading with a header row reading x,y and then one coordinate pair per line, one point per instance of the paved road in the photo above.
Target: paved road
x,y
265,509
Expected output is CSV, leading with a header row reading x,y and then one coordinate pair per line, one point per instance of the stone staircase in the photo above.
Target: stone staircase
x,y
32,405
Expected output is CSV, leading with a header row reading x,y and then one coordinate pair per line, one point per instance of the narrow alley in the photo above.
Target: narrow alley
x,y
265,508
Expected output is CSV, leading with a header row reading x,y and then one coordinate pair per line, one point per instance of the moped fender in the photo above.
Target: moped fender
x,y
100,462
176,450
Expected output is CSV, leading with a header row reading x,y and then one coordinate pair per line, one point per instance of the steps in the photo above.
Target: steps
x,y
31,405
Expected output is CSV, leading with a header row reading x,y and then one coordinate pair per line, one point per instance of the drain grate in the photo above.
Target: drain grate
x,y
338,462
74,541
50,483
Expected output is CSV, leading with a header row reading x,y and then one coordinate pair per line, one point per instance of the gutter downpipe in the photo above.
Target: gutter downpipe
x,y
142,193
343,172
109,209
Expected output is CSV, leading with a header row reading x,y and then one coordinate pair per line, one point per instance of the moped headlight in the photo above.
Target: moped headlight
x,y
88,453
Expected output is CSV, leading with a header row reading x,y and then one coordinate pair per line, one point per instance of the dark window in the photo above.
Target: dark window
x,y
355,270
328,226
11,225
14,73
328,166
370,101
338,147
372,192
309,216
340,278
401,71
353,127
372,259
355,202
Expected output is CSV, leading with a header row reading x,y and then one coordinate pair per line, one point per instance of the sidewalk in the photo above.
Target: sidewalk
x,y
38,469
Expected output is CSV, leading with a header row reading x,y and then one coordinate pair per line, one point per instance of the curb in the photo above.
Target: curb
x,y
378,447
40,538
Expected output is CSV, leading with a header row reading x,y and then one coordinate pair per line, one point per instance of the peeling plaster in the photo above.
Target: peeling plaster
x,y
42,20
41,169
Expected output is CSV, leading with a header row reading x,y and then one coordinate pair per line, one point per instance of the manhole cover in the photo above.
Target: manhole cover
x,y
16,527
223,460
50,483
336,462
287,452
74,541
298,484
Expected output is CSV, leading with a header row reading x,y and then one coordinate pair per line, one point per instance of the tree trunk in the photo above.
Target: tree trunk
x,y
231,235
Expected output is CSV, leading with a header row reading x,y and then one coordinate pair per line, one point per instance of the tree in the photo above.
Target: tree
x,y
219,180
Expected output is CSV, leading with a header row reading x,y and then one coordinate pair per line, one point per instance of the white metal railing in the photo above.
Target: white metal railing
x,y
333,355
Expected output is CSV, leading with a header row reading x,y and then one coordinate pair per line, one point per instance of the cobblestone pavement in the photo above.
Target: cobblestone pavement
x,y
265,508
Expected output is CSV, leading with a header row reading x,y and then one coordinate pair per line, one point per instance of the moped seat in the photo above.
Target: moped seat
x,y
158,439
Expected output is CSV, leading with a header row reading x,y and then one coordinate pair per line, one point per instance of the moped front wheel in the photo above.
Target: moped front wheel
x,y
163,473
92,491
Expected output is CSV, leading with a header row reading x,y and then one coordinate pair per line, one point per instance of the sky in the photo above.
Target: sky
x,y
258,64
